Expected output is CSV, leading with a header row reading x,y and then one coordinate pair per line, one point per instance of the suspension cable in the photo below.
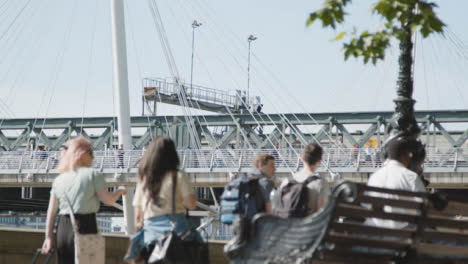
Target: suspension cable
x,y
90,63
236,38
24,66
14,20
174,72
137,61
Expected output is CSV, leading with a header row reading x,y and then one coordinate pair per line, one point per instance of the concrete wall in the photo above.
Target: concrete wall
x,y
19,245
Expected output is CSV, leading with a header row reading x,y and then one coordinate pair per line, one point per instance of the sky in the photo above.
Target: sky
x,y
56,57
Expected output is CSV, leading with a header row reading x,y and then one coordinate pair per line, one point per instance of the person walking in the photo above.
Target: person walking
x,y
264,170
318,190
84,188
120,156
153,198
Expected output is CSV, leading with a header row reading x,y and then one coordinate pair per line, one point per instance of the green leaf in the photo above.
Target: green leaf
x,y
425,31
339,36
312,18
396,14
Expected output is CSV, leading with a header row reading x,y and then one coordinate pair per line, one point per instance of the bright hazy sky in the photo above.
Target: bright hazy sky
x,y
56,58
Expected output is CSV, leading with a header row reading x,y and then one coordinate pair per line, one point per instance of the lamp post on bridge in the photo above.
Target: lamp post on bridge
x,y
195,24
249,39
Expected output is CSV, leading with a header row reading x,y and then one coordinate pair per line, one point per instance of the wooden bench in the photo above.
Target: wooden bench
x,y
343,233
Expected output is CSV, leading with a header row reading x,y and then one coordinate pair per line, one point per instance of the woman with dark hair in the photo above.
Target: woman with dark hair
x,y
153,197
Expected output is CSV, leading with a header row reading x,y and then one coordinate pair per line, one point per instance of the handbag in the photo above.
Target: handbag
x,y
89,248
179,249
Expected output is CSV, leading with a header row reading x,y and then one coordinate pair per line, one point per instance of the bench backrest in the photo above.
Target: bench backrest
x,y
344,233
280,240
425,233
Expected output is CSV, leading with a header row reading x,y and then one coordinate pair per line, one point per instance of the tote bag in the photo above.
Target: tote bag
x,y
89,248
175,249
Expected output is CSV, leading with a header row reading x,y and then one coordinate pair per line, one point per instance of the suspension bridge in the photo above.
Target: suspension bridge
x,y
217,131
30,159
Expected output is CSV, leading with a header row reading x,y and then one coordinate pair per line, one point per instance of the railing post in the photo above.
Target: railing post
x,y
48,161
211,162
358,159
129,159
21,162
183,159
101,167
455,162
240,161
297,163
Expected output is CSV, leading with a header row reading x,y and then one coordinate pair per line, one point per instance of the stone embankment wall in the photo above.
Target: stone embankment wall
x,y
19,245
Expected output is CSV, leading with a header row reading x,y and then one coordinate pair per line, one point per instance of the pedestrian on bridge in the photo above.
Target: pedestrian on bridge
x,y
120,155
84,188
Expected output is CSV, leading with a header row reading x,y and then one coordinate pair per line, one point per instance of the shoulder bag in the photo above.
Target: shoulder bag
x,y
89,248
179,249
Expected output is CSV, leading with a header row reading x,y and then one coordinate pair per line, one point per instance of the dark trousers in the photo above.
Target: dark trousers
x,y
86,223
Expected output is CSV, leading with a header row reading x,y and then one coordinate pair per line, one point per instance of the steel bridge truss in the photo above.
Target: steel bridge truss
x,y
221,131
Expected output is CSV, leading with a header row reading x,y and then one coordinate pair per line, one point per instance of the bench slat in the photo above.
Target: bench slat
x,y
380,201
357,211
434,249
445,222
453,208
344,256
371,230
431,260
447,236
350,240
363,188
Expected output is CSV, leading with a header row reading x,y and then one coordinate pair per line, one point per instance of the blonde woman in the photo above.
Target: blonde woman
x,y
85,188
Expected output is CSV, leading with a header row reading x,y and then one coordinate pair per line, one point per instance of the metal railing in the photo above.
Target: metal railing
x,y
231,160
196,92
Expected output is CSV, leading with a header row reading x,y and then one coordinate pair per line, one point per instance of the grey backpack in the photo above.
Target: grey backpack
x,y
292,199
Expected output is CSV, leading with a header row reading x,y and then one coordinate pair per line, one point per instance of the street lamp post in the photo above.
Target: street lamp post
x,y
195,24
403,125
249,39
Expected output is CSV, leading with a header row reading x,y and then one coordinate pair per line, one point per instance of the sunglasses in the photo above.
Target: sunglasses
x,y
65,148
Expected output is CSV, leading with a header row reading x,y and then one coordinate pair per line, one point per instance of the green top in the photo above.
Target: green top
x,y
81,186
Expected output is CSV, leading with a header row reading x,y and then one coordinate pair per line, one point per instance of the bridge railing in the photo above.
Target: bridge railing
x,y
231,160
194,92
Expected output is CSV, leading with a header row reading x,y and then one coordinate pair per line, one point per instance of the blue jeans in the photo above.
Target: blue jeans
x,y
152,229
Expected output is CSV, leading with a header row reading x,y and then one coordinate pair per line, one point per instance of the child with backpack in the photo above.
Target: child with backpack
x,y
245,196
249,194
306,192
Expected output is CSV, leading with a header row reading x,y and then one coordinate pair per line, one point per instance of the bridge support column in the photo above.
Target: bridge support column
x,y
122,101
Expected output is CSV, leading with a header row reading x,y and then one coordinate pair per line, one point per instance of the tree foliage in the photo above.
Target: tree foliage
x,y
397,15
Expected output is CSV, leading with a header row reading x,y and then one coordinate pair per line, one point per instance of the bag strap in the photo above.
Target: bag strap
x,y
174,190
311,178
72,215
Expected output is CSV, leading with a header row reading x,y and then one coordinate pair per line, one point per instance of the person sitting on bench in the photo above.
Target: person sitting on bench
x,y
395,174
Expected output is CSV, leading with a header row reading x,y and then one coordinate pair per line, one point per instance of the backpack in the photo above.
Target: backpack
x,y
242,196
293,199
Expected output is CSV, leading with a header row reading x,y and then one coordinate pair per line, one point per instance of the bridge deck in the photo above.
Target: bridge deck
x,y
214,167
